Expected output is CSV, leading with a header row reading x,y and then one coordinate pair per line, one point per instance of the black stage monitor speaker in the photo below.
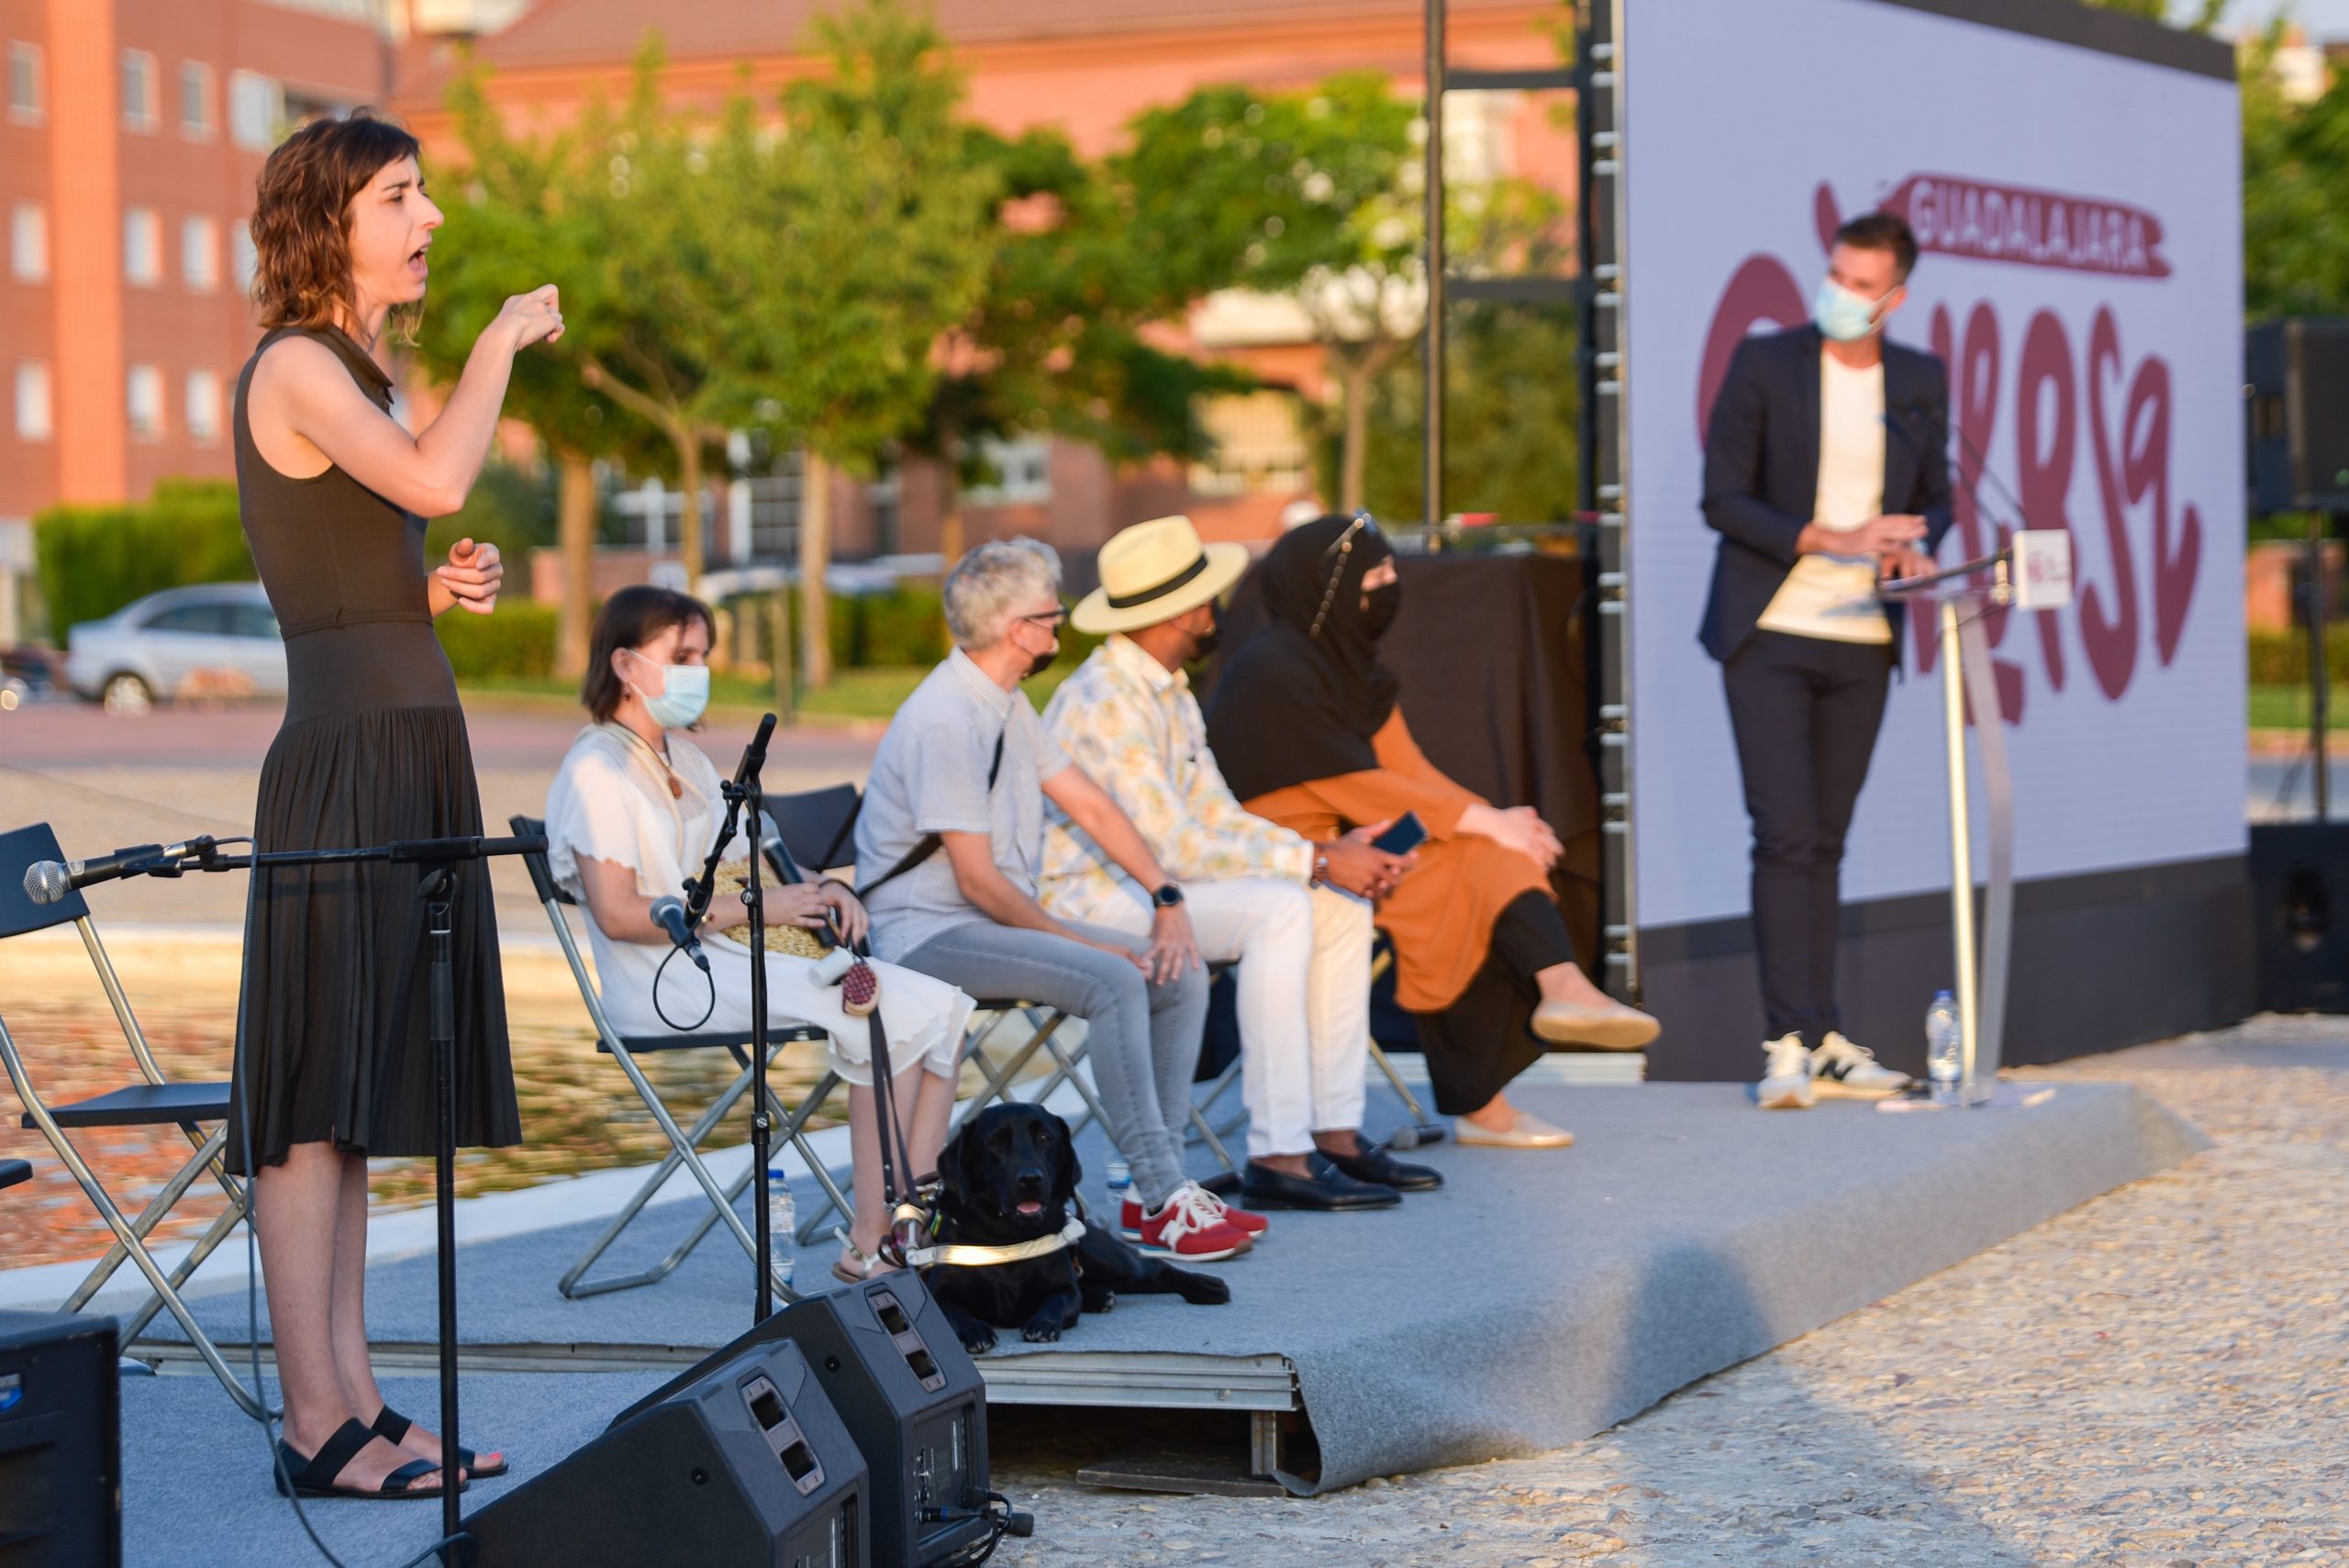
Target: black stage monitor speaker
x,y
742,1460
912,1400
2298,371
2300,879
60,1442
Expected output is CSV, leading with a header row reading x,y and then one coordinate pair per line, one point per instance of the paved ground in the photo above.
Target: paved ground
x,y
2158,1379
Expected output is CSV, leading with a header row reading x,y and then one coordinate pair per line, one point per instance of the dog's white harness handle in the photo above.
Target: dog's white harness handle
x,y
962,1256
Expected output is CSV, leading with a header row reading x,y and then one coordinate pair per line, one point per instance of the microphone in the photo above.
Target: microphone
x,y
46,881
755,755
669,914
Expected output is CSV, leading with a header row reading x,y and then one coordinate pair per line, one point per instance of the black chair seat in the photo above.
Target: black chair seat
x,y
723,1040
14,1171
144,1104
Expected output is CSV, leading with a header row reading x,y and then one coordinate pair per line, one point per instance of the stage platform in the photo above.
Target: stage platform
x,y
1538,1298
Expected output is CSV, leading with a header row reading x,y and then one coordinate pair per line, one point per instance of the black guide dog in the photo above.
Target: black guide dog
x,y
1008,1176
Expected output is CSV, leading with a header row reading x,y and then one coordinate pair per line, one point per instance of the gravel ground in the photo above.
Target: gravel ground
x,y
2155,1380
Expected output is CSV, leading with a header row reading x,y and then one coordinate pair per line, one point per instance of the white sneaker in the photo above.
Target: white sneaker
x,y
1842,1071
1786,1081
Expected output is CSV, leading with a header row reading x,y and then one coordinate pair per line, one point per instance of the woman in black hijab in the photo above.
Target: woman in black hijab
x,y
1306,728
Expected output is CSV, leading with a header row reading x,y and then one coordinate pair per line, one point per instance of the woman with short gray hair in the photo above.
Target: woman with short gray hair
x,y
965,768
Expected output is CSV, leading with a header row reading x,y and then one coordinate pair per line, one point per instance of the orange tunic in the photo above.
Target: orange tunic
x,y
1440,917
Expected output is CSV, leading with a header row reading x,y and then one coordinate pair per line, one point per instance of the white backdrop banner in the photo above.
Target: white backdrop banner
x,y
2081,276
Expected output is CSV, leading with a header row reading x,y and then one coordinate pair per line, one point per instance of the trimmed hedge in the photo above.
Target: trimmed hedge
x,y
905,626
515,642
2281,658
92,560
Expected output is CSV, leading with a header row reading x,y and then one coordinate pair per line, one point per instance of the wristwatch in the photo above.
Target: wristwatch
x,y
1167,896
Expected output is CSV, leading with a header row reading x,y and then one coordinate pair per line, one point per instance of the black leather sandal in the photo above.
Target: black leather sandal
x,y
392,1426
314,1477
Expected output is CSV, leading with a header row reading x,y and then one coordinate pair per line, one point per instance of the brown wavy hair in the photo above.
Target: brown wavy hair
x,y
301,225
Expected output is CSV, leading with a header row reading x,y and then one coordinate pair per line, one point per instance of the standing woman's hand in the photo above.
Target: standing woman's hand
x,y
532,318
472,578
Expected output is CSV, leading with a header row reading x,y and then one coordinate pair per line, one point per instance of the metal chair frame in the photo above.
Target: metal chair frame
x,y
153,1100
684,1147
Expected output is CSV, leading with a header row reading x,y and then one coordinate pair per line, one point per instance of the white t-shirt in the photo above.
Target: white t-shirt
x,y
1833,596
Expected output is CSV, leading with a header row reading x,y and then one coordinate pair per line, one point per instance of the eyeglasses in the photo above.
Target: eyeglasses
x,y
1342,546
1049,619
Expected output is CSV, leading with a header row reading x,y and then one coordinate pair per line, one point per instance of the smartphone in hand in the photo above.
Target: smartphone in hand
x,y
1408,834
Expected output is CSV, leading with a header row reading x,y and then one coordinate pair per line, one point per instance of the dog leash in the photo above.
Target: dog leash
x,y
965,1255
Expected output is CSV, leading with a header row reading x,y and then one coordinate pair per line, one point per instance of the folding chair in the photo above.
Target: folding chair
x,y
685,1146
152,1101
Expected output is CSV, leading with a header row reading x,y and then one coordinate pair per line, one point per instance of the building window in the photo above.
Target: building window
x,y
32,401
142,247
256,108
1259,444
24,103
140,91
195,100
1023,472
203,407
243,255
28,242
200,254
146,403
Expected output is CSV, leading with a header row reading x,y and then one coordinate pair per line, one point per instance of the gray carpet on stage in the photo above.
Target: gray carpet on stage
x,y
1540,1297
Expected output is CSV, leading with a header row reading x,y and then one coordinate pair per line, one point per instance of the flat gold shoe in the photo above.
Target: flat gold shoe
x,y
1529,1132
1609,1026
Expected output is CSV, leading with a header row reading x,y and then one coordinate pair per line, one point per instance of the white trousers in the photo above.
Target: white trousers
x,y
1304,999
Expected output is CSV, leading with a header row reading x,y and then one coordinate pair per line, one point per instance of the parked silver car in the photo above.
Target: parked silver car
x,y
217,641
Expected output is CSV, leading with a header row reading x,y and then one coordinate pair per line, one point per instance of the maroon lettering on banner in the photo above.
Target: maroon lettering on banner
x,y
2044,457
2111,637
2145,468
1973,414
1760,291
1983,221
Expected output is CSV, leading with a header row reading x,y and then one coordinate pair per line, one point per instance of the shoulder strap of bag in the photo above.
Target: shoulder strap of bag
x,y
928,844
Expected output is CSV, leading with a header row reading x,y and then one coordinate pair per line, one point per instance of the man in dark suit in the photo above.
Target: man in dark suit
x,y
1825,472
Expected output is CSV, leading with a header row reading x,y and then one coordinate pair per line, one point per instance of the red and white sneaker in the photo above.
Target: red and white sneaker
x,y
1248,1223
1191,1226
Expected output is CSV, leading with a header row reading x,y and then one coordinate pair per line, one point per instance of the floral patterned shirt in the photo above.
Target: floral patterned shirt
x,y
1135,728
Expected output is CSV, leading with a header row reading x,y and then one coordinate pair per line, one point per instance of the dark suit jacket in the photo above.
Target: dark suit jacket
x,y
1762,470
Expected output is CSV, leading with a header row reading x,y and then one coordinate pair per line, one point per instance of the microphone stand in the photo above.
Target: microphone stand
x,y
438,858
745,790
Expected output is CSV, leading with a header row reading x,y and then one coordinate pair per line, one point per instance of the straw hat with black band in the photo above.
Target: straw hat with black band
x,y
1154,571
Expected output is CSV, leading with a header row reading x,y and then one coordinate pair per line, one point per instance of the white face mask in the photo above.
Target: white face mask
x,y
1842,316
684,696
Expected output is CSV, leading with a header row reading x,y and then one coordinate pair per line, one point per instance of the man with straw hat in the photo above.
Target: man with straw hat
x,y
1294,915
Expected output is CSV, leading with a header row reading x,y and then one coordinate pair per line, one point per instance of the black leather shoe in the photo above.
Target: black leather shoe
x,y
1328,1189
1374,1165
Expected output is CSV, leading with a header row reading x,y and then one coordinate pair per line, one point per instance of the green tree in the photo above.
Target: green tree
x,y
519,218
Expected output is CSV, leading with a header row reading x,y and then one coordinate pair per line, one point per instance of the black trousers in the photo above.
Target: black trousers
x,y
1485,1037
1805,711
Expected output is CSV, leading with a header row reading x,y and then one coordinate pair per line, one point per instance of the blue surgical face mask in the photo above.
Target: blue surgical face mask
x,y
1842,316
684,697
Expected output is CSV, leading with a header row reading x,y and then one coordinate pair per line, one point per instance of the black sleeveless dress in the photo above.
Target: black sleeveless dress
x,y
334,1027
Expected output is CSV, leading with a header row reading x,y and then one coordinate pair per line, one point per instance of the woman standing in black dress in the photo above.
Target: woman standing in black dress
x,y
333,1059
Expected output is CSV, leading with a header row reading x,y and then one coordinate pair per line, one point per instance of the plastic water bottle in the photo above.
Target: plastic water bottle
x,y
1944,1049
1122,1187
783,1221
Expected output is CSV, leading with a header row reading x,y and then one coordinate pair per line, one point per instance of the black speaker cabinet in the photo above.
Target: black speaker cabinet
x,y
912,1400
2298,376
60,1442
742,1460
2299,882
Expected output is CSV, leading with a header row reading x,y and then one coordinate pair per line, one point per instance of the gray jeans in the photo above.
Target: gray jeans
x,y
1142,1038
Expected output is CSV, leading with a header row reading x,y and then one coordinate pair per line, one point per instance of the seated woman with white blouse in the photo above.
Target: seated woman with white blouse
x,y
632,814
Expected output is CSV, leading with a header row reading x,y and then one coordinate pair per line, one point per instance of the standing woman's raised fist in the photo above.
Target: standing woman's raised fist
x,y
532,318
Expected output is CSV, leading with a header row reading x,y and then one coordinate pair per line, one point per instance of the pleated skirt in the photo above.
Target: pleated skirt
x,y
334,1026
